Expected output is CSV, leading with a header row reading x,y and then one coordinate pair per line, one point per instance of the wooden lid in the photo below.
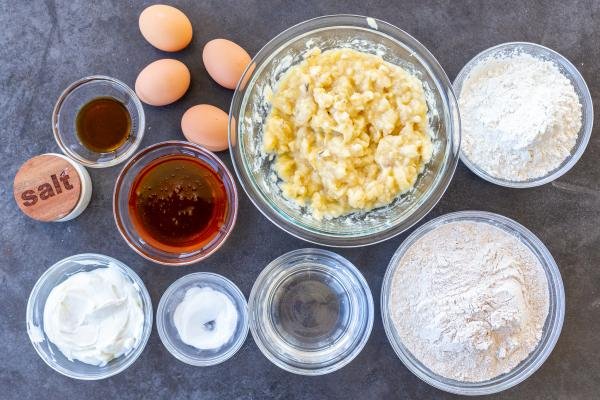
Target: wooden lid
x,y
47,187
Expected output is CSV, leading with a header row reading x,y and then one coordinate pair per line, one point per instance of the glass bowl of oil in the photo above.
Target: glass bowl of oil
x,y
311,311
175,203
98,121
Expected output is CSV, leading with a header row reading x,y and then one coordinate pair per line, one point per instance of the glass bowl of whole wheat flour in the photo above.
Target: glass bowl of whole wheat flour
x,y
552,324
544,166
250,108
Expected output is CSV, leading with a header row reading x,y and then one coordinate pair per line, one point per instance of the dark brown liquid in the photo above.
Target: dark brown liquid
x,y
178,203
103,125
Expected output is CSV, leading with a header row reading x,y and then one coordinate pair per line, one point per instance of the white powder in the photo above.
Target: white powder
x,y
469,300
520,117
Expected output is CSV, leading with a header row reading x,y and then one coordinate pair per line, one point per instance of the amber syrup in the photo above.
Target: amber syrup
x,y
178,204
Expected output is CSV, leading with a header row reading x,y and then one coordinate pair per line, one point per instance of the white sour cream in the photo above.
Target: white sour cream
x,y
206,318
94,316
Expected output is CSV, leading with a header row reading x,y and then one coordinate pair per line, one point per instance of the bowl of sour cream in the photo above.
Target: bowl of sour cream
x,y
89,316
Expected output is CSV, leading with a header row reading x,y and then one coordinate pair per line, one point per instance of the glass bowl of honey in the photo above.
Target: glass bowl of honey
x,y
175,203
98,121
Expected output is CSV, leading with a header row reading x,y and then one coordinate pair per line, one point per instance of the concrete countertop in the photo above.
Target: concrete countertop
x,y
45,45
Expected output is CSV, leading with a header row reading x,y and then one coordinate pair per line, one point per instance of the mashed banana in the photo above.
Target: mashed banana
x,y
349,132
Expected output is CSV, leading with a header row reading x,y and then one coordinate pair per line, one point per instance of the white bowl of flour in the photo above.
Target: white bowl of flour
x,y
526,114
472,303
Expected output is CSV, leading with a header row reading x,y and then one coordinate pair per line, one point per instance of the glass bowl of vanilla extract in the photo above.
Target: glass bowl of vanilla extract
x,y
175,203
98,121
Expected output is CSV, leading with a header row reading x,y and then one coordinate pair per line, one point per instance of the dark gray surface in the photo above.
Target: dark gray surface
x,y
46,45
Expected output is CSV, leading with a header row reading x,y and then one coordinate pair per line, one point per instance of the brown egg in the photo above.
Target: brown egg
x,y
165,27
225,61
162,82
206,125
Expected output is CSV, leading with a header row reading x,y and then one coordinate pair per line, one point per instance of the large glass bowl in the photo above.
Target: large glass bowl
x,y
51,355
571,73
250,107
550,331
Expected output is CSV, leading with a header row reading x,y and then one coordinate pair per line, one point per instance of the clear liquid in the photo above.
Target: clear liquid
x,y
310,309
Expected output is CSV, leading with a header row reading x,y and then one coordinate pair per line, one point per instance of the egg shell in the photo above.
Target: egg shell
x,y
225,61
165,27
162,82
206,125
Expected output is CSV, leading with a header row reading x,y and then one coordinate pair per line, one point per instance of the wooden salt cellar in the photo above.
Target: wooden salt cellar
x,y
51,187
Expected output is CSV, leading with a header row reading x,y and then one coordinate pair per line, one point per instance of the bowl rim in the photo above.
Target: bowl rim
x,y
254,321
175,144
385,29
587,113
199,277
133,354
554,280
75,156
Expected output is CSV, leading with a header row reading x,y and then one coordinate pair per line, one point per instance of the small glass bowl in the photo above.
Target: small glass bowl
x,y
571,73
250,107
51,355
327,353
77,95
550,332
168,332
121,198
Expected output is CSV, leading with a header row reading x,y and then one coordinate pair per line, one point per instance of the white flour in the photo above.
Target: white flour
x,y
520,117
469,301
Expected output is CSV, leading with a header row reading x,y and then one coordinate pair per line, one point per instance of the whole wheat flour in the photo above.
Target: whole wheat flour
x,y
469,300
